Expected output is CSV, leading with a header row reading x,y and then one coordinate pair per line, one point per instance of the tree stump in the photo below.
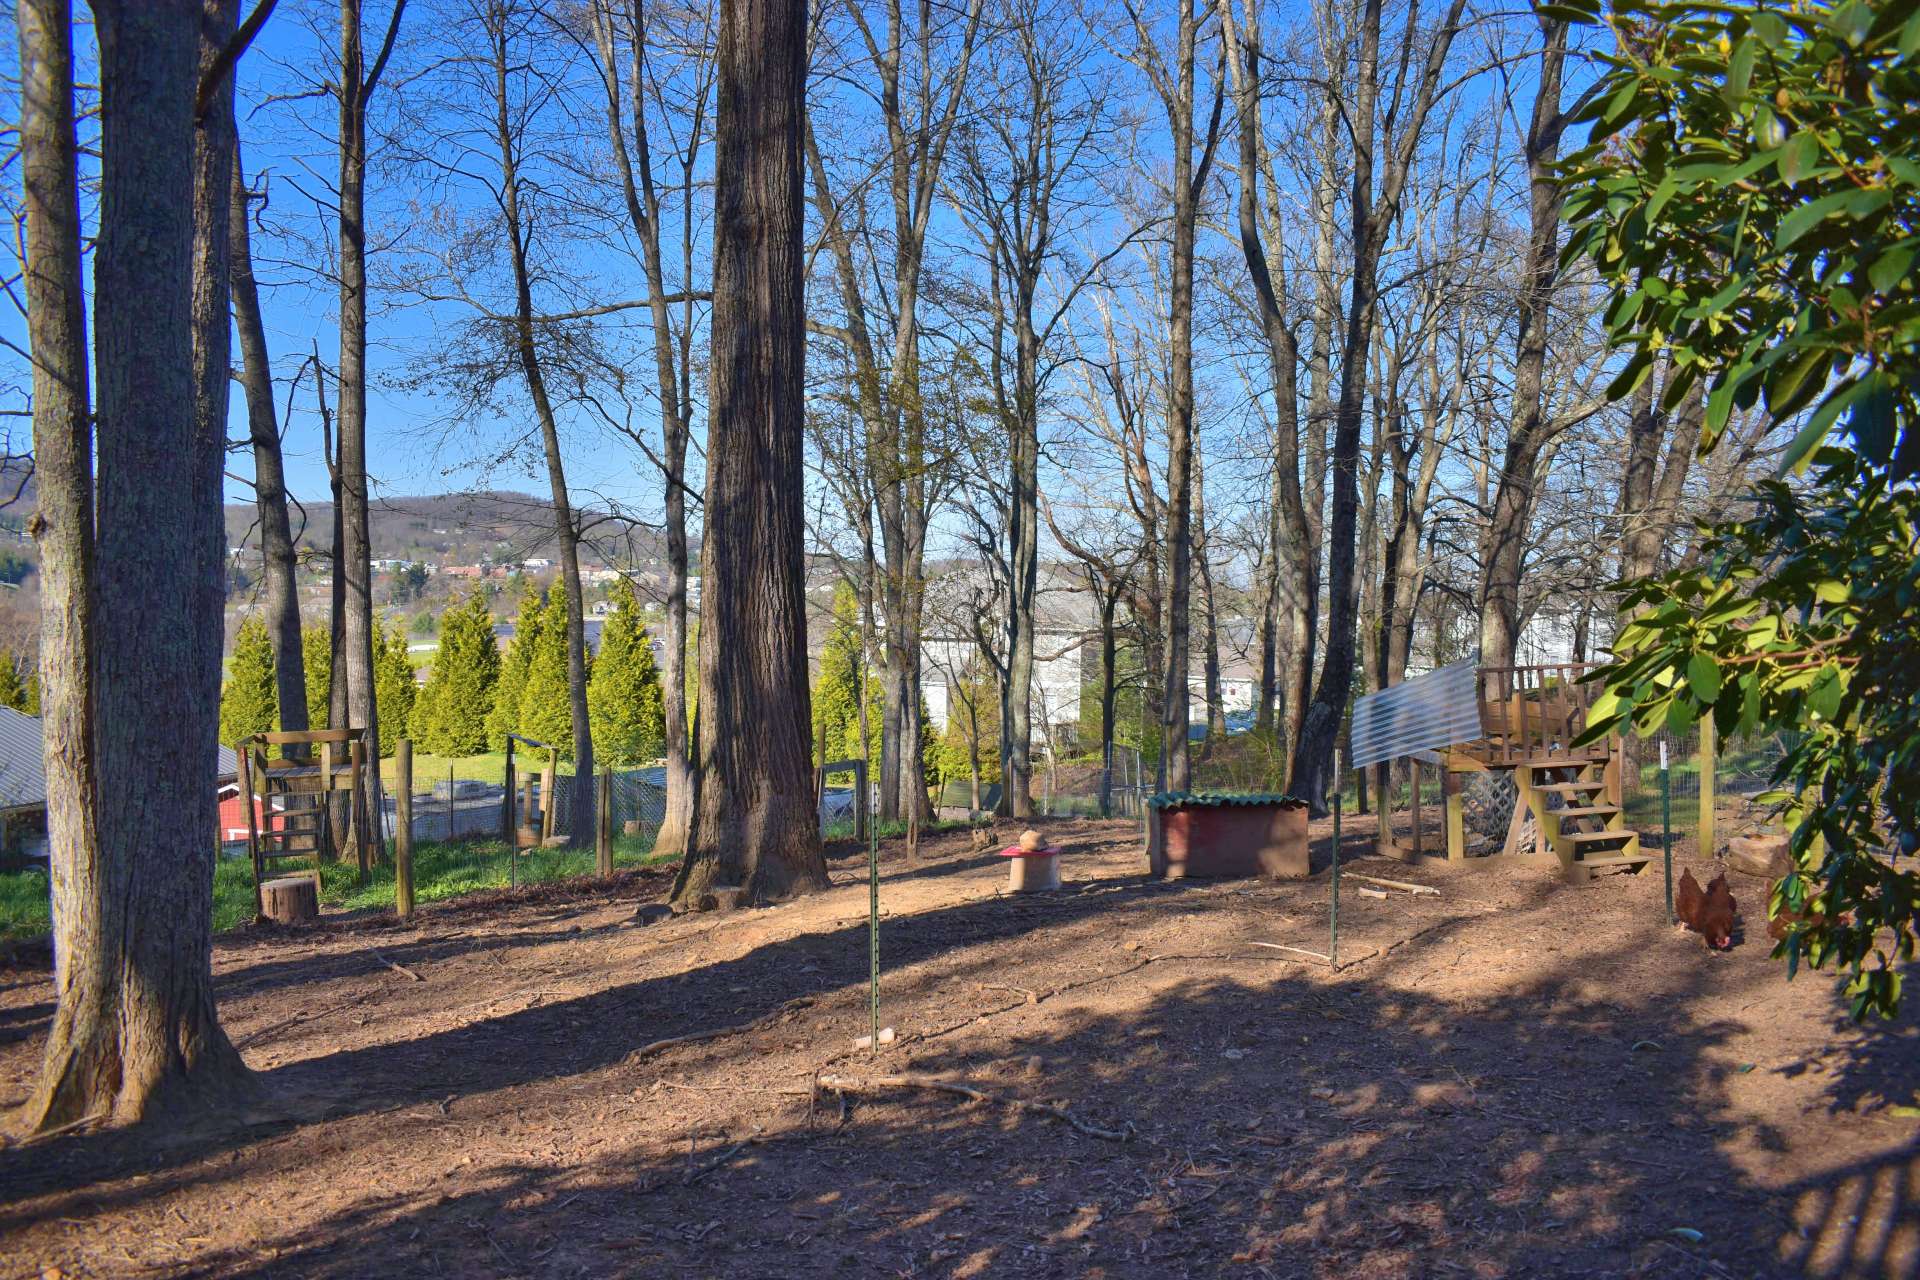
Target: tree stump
x,y
290,900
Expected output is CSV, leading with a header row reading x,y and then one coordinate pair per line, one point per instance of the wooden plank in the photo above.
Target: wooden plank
x,y
603,824
308,737
245,754
403,829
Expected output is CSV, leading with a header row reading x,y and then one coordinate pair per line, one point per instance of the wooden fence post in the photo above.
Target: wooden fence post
x,y
603,822
1708,750
549,783
403,829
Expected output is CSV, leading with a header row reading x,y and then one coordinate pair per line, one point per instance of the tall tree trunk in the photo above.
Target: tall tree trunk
x,y
136,1033
1177,86
754,823
1650,489
1023,514
1209,613
676,410
353,569
1372,214
1286,617
1504,555
80,1075
581,826
278,561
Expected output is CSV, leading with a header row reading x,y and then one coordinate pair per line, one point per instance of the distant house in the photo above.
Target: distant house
x,y
23,787
537,565
464,571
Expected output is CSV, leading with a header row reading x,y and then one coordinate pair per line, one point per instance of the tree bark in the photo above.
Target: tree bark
x,y
1503,558
278,561
754,823
81,1067
136,1032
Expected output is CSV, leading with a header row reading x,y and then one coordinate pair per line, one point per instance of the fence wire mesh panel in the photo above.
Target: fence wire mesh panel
x,y
1640,784
460,815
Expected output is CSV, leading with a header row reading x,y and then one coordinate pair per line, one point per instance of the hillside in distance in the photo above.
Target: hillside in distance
x,y
449,529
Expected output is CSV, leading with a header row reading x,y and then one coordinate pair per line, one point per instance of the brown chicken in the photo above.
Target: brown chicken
x,y
1710,913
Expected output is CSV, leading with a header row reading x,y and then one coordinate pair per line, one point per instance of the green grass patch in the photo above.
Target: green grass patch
x,y
440,871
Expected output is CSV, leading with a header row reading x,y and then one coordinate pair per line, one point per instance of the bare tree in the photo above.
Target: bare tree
x,y
672,344
1372,214
486,121
1174,83
277,552
353,552
754,824
1529,428
919,61
1024,157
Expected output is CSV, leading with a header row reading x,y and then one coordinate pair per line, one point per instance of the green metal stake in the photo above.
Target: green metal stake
x,y
1333,946
873,934
1666,825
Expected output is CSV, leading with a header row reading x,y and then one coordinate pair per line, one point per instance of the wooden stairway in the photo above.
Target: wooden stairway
x,y
1586,828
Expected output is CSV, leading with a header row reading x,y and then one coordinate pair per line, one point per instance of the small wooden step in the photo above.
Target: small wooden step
x,y
1595,837
1571,788
1586,811
1616,860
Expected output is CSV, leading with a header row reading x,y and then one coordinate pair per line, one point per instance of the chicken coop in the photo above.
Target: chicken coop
x,y
1504,736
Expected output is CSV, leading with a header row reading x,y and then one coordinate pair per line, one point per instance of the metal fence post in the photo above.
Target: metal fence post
x,y
1666,824
1333,941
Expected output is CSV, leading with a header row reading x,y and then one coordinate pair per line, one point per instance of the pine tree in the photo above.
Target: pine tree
x,y
546,714
30,701
624,699
13,687
836,700
394,689
507,694
248,703
452,713
316,656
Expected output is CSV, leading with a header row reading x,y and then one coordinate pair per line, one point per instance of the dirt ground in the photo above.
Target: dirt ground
x,y
1511,1077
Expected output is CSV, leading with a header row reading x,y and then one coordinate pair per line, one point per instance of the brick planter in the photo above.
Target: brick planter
x,y
1229,836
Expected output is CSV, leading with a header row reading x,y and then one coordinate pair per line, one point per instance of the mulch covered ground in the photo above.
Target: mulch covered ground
x,y
1512,1077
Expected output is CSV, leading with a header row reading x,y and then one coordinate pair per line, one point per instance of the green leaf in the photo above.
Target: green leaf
x,y
1703,677
1799,156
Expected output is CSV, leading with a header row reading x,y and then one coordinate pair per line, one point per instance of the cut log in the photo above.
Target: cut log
x,y
290,900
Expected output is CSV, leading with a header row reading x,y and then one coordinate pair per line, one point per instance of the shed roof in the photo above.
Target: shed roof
x,y
23,766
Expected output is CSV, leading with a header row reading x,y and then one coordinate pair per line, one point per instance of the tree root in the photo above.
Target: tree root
x,y
845,1084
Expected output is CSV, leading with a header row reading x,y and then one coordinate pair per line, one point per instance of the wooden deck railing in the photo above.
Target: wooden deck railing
x,y
1535,713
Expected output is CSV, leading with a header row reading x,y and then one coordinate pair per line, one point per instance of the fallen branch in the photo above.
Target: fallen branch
x,y
648,1050
844,1085
1394,884
59,1130
1365,892
397,967
1301,951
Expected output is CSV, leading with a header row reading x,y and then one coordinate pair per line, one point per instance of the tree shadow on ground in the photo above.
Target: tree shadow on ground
x,y
1283,1128
1281,1124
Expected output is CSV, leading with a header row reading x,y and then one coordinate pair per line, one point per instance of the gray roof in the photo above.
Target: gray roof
x,y
23,766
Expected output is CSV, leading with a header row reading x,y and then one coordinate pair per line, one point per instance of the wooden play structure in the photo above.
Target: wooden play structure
x,y
290,799
1520,722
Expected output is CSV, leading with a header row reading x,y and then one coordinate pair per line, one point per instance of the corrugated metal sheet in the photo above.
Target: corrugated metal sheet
x,y
1428,712
23,766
